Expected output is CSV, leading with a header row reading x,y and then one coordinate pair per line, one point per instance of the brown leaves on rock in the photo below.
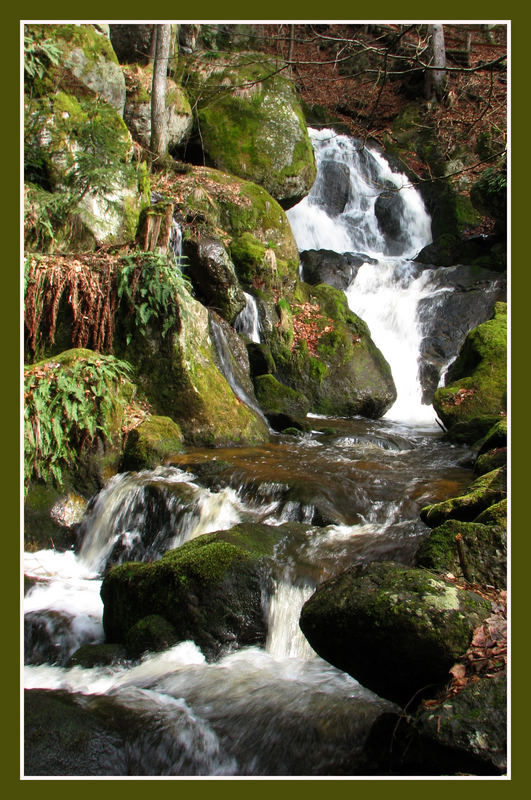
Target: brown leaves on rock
x,y
308,326
459,397
487,653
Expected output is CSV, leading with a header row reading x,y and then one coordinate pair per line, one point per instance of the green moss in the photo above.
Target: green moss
x,y
276,398
484,543
151,633
494,515
153,442
477,380
481,494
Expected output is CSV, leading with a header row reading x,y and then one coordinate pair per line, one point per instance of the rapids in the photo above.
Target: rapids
x,y
354,488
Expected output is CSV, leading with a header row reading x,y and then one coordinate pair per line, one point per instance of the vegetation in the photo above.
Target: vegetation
x,y
68,402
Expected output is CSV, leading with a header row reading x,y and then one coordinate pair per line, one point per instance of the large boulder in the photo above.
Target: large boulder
x,y
81,152
213,277
326,266
260,240
396,629
86,62
475,394
131,43
252,124
325,351
484,546
209,590
137,111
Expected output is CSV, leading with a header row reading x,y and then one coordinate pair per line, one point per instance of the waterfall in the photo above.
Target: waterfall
x,y
247,321
284,637
227,368
359,205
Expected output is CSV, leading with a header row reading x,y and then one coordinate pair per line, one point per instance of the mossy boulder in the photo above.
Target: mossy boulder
x,y
81,151
472,724
484,545
396,629
137,111
179,375
489,195
153,442
484,492
325,351
86,63
494,515
209,589
255,228
252,125
275,398
475,395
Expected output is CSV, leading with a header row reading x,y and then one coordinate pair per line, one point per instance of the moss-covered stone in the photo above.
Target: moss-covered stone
x,y
396,629
275,398
242,214
179,376
484,492
137,111
472,724
324,350
86,63
485,548
253,126
211,271
83,151
209,589
475,394
494,515
153,442
151,633
493,459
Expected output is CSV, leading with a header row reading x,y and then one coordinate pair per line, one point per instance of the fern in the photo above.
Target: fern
x,y
65,406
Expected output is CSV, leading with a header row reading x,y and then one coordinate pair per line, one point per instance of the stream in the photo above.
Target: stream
x,y
354,486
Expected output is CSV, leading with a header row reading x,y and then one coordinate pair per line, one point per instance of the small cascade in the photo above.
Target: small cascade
x,y
359,205
227,367
285,638
140,515
176,241
247,322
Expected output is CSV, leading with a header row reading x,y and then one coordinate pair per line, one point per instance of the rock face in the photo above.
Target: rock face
x,y
131,43
475,394
209,590
137,111
344,374
255,127
335,269
213,277
485,547
395,629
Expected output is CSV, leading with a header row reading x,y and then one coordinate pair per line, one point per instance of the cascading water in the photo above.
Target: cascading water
x,y
348,492
247,322
359,205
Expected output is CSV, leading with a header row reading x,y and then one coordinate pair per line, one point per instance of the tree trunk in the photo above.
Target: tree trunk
x,y
435,79
159,133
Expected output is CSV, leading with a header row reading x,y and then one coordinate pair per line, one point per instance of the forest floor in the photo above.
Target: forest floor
x,y
366,75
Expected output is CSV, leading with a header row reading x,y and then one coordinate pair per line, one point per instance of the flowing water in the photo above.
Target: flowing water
x,y
347,492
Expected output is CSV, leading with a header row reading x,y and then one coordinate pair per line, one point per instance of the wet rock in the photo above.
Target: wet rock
x,y
334,186
484,545
335,269
97,655
475,394
484,492
153,442
209,590
395,629
213,277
